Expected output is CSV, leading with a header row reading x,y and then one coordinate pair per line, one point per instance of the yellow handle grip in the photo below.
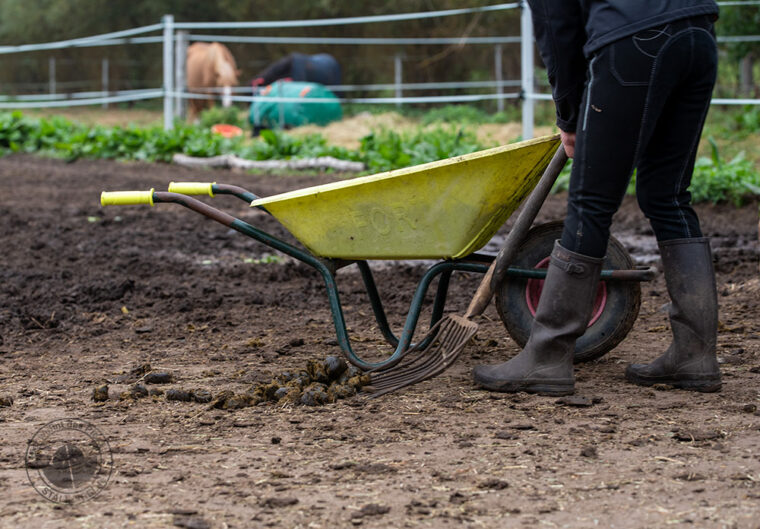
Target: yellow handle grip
x,y
192,188
126,198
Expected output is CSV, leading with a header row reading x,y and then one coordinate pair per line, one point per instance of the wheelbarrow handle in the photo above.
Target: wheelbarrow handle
x,y
192,188
211,189
126,198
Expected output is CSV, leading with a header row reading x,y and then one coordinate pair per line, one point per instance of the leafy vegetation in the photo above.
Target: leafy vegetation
x,y
715,178
63,138
385,150
748,121
380,151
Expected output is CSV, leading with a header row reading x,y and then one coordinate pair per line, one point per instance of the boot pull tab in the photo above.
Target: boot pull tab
x,y
576,269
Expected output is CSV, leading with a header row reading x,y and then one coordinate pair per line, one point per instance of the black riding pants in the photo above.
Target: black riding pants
x,y
644,106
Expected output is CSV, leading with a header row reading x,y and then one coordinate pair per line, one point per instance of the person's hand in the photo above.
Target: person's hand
x,y
568,141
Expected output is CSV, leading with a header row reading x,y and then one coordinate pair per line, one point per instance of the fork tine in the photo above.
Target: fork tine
x,y
454,338
419,361
451,338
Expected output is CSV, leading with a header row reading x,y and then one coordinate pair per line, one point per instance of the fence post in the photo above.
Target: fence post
x,y
526,67
51,75
168,22
180,73
398,68
499,74
104,79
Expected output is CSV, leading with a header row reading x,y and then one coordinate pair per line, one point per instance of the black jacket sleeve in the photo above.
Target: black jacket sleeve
x,y
560,34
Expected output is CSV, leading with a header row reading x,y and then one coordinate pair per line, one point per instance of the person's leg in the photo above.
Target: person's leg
x,y
663,178
690,361
608,134
667,159
629,97
545,366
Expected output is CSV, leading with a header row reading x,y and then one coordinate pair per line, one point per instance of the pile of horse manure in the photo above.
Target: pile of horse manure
x,y
322,382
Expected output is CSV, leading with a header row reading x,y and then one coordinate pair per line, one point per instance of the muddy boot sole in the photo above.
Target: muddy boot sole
x,y
549,388
707,384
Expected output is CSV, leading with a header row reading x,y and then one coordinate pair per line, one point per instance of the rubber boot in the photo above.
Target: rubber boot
x,y
545,365
689,362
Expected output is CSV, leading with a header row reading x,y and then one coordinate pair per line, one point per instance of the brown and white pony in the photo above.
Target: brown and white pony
x,y
209,66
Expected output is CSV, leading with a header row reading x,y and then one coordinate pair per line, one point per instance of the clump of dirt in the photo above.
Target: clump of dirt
x,y
158,378
180,395
100,393
137,391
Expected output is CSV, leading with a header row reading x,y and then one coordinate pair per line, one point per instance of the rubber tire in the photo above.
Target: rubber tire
x,y
613,324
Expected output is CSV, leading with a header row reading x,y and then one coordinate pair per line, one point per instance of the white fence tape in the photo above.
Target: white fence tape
x,y
85,41
77,95
153,94
748,38
390,86
376,100
355,41
721,101
344,21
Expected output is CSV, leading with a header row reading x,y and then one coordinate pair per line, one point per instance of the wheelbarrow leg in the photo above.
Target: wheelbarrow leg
x,y
404,342
377,305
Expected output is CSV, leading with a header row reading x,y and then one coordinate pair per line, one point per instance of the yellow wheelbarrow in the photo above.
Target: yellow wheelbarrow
x,y
446,211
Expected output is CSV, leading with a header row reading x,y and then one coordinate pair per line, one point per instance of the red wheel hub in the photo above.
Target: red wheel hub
x,y
535,286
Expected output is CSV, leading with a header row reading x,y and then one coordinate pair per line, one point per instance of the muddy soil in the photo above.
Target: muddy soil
x,y
87,294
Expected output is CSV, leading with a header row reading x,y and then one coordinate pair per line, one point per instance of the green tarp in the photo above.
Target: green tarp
x,y
271,114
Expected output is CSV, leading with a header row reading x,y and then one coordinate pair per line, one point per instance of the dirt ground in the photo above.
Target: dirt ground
x,y
87,294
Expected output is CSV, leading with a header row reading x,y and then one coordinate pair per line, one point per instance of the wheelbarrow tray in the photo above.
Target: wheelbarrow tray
x,y
441,210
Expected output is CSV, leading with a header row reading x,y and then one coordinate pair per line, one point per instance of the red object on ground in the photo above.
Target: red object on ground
x,y
228,131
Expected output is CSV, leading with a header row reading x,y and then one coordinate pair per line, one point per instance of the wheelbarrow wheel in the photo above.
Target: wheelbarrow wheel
x,y
615,308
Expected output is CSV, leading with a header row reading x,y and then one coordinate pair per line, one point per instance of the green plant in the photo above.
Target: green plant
x,y
749,120
563,180
715,180
385,150
63,138
230,115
